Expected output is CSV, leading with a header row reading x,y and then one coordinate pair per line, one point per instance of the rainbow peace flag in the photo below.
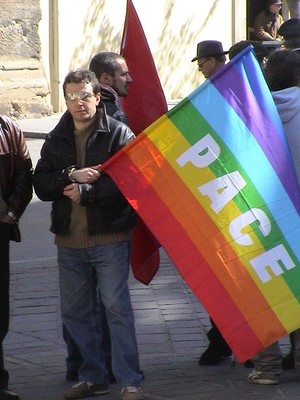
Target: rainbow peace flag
x,y
214,181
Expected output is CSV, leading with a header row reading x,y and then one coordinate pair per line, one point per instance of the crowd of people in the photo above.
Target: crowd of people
x,y
92,221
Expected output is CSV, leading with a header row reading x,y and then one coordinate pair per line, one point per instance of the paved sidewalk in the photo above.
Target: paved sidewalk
x,y
39,127
170,324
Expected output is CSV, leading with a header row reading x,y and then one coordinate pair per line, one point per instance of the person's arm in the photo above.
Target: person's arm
x,y
279,22
20,192
104,188
50,177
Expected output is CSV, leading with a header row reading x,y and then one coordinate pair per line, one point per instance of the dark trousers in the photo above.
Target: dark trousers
x,y
216,339
4,296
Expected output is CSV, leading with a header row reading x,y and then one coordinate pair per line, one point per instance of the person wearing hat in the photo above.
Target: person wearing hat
x,y
259,50
268,22
290,31
210,57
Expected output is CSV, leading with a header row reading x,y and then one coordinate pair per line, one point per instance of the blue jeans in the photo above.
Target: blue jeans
x,y
80,271
74,359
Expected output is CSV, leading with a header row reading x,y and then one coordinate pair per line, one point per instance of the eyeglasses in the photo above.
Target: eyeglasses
x,y
201,64
83,96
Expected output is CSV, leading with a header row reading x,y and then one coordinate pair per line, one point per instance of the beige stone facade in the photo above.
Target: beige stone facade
x,y
23,82
42,40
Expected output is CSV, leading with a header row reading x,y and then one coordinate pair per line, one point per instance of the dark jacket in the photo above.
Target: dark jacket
x,y
111,100
107,208
15,170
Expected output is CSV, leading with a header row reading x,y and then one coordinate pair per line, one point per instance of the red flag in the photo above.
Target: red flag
x,y
146,101
145,104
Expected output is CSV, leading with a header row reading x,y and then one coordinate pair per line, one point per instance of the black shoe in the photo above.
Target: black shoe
x,y
248,364
71,376
8,395
111,377
214,355
288,361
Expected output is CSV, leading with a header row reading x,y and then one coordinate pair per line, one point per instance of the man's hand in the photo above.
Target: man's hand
x,y
85,175
72,191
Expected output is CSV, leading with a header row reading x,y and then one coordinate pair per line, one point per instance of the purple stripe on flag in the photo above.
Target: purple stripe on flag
x,y
235,90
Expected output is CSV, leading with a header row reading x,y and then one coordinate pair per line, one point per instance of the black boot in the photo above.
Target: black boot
x,y
217,350
8,395
249,364
214,355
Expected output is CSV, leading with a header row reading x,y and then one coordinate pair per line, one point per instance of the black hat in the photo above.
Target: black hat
x,y
209,48
259,49
290,28
270,2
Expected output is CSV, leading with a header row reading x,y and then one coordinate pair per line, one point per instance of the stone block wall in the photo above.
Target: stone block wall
x,y
24,88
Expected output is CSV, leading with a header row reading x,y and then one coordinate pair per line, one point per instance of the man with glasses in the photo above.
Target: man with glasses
x,y
210,57
92,223
112,73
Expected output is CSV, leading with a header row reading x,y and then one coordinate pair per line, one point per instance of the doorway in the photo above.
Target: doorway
x,y
254,7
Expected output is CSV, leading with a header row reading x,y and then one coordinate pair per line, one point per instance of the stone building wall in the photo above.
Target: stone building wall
x,y
24,87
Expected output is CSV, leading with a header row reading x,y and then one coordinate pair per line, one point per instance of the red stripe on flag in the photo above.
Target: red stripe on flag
x,y
146,103
145,253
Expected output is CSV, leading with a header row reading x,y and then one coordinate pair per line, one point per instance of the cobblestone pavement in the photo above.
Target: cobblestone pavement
x,y
171,330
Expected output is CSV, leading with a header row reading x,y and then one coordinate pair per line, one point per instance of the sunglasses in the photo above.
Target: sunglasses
x,y
83,96
200,65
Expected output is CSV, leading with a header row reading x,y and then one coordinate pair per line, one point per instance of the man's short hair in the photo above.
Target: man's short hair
x,y
82,76
282,69
104,62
